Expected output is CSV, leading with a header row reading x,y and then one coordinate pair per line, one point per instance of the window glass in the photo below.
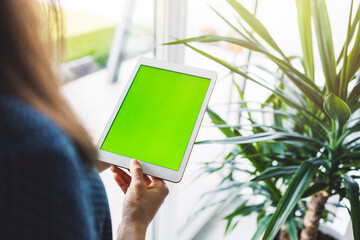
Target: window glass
x,y
91,26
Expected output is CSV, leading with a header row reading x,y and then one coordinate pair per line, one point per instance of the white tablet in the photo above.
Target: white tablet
x,y
157,118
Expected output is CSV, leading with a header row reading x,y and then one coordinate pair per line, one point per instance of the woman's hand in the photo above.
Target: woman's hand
x,y
143,198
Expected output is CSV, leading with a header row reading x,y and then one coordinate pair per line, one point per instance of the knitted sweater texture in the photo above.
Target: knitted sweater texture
x,y
46,192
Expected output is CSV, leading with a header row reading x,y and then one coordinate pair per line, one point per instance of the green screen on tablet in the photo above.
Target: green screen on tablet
x,y
157,117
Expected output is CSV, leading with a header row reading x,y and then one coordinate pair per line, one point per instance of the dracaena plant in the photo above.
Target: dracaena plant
x,y
311,151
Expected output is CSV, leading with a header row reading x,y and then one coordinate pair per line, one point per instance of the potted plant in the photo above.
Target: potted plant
x,y
311,150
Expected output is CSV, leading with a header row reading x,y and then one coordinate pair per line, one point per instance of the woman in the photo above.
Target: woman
x,y
48,183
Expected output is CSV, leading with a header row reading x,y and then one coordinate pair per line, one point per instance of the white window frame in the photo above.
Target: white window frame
x,y
170,24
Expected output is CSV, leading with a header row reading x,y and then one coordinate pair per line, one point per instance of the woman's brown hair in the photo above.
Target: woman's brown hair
x,y
28,69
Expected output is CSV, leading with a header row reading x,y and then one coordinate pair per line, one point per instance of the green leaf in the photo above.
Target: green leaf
x,y
352,190
232,196
291,71
261,227
299,82
228,225
291,226
231,25
230,217
243,74
245,210
316,187
354,128
215,38
343,74
257,126
260,215
352,31
231,187
251,37
276,172
304,21
215,118
295,190
255,24
355,107
354,95
336,108
325,43
354,56
306,85
264,137
304,121
256,161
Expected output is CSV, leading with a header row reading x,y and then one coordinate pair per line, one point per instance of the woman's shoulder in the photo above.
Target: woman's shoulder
x,y
21,118
24,129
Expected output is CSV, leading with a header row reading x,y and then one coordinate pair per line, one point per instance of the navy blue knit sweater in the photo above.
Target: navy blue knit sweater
x,y
46,192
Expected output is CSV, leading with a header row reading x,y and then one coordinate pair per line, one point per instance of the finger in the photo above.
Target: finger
x,y
125,176
122,173
121,182
160,185
158,180
136,174
147,180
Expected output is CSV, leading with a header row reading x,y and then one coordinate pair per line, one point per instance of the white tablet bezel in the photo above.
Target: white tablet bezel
x,y
151,169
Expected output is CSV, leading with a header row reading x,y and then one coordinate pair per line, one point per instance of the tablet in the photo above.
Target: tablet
x,y
157,118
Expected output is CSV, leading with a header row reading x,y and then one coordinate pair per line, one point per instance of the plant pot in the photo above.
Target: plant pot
x,y
327,230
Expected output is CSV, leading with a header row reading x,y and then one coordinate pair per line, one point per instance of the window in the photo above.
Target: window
x,y
96,28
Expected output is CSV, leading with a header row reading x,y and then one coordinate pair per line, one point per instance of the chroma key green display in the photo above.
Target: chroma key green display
x,y
157,117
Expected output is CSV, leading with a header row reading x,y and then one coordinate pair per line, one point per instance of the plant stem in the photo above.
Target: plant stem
x,y
313,215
